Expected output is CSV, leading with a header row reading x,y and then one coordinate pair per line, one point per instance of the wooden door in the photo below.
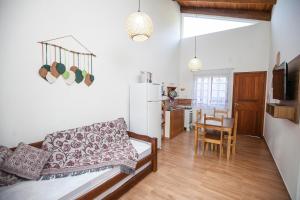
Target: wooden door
x,y
249,100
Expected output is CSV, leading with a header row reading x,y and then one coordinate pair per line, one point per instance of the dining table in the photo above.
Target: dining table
x,y
227,126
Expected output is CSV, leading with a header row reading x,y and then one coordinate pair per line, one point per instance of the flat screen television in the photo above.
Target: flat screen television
x,y
280,82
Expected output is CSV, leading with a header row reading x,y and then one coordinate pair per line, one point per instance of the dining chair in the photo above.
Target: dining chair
x,y
198,115
198,131
212,136
219,113
234,133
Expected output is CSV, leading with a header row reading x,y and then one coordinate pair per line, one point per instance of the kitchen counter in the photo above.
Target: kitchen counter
x,y
175,109
174,122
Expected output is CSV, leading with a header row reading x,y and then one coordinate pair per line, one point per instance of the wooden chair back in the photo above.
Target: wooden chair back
x,y
215,140
219,112
212,118
198,116
235,125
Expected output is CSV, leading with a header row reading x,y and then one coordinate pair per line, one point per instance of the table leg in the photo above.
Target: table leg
x,y
233,145
196,140
229,144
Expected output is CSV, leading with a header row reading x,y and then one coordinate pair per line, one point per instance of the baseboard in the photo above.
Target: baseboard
x,y
264,139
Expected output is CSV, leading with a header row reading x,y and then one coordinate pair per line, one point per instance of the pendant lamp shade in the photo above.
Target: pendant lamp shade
x,y
139,26
195,63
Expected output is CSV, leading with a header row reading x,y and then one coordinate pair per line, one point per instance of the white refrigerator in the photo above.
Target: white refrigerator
x,y
145,110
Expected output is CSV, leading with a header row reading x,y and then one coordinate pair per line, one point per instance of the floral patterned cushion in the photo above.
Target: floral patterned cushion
x,y
6,178
26,161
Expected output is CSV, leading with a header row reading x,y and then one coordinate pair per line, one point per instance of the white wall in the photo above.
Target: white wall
x,y
243,49
283,136
298,189
30,108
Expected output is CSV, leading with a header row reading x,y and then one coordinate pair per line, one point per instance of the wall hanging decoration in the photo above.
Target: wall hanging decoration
x,y
45,68
61,60
195,63
89,78
139,25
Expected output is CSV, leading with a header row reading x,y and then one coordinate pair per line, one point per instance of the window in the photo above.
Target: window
x,y
203,25
211,88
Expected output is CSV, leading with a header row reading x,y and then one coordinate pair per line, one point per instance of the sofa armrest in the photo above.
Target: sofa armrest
x,y
153,142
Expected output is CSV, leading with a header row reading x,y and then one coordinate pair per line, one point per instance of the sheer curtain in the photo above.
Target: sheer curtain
x,y
212,88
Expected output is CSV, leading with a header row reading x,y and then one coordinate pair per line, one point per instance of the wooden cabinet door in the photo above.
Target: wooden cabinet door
x,y
249,100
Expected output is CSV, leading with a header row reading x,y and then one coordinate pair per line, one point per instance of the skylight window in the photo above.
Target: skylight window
x,y
200,25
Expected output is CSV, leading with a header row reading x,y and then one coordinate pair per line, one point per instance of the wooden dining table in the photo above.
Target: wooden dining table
x,y
214,125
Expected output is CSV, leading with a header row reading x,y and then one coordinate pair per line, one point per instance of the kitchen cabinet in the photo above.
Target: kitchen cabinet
x,y
174,123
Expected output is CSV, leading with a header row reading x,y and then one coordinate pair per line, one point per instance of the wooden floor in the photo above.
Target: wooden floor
x,y
251,174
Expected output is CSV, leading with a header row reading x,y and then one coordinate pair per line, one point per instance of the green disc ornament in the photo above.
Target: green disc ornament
x,y
84,73
66,75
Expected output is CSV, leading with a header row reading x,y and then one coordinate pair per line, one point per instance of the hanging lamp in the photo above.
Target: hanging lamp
x,y
195,63
139,25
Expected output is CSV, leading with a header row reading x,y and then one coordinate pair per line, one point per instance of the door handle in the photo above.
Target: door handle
x,y
236,105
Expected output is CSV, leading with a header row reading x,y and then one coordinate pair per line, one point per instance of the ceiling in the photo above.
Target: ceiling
x,y
247,9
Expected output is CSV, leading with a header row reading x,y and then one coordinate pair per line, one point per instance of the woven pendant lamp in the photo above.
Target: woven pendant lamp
x,y
195,63
139,26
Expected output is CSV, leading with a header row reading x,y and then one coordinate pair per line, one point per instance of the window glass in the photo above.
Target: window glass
x,y
197,25
211,90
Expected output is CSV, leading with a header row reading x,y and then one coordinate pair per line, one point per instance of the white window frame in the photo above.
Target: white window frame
x,y
227,73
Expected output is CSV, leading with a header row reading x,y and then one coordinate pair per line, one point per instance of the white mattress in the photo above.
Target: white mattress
x,y
68,187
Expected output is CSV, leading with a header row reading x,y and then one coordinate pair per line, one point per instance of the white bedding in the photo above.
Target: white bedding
x,y
68,187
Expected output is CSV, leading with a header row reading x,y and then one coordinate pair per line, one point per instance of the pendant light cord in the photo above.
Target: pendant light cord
x,y
195,46
139,10
196,36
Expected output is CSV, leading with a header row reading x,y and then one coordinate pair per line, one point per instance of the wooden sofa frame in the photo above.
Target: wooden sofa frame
x,y
119,177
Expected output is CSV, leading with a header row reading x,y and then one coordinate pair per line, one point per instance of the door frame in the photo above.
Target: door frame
x,y
265,73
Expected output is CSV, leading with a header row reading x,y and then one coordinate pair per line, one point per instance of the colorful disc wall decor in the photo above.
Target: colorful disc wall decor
x,y
84,73
53,70
92,78
66,75
60,68
47,67
70,80
43,72
50,78
89,79
73,69
79,76
78,72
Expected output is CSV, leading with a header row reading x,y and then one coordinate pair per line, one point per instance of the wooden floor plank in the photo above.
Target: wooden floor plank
x,y
251,174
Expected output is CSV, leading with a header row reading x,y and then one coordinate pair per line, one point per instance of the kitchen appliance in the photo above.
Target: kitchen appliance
x,y
188,116
188,119
145,110
145,77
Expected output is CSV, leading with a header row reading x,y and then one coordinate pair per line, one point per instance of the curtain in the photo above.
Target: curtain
x,y
212,88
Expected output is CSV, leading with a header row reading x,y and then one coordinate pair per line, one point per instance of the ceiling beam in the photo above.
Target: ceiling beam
x,y
231,1
246,14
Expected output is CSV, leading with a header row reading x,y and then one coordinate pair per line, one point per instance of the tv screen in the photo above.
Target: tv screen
x,y
280,82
